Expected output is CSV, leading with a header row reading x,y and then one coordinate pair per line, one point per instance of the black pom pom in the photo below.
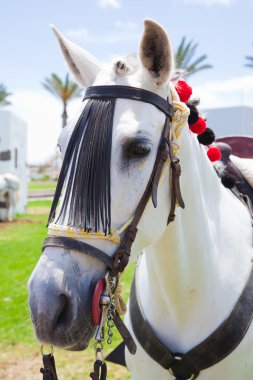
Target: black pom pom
x,y
207,137
194,114
228,180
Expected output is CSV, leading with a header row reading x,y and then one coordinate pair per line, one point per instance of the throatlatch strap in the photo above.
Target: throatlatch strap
x,y
208,353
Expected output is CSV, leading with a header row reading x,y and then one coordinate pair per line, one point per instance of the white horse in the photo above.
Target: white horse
x,y
9,186
193,271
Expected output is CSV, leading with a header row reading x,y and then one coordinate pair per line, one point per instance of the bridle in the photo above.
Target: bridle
x,y
209,352
120,259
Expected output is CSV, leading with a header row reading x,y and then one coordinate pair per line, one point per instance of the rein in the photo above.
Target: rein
x,y
120,259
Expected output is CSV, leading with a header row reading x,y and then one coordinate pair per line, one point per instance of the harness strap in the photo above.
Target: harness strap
x,y
209,352
125,334
128,92
176,195
100,371
49,370
79,246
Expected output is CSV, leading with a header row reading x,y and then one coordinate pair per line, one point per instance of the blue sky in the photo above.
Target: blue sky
x,y
29,51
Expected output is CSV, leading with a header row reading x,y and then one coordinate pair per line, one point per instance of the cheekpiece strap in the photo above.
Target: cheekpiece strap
x,y
127,92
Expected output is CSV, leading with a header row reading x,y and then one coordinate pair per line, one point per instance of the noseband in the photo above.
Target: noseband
x,y
119,261
121,257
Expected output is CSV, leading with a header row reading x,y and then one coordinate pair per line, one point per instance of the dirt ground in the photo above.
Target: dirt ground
x,y
24,362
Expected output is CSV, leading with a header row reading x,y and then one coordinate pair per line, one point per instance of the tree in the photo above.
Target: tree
x,y
250,61
65,90
4,95
184,57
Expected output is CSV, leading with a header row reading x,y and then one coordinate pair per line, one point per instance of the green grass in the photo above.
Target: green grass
x,y
20,244
39,203
41,185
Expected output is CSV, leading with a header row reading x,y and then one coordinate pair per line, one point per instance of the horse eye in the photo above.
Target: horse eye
x,y
140,150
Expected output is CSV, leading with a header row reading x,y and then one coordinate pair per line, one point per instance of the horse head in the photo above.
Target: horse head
x,y
109,154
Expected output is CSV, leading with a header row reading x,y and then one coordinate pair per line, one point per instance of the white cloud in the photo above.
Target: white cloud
x,y
125,32
109,3
232,92
211,2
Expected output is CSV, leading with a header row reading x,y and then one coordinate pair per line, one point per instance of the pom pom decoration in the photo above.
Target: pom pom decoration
x,y
214,153
184,91
207,137
194,113
228,180
199,126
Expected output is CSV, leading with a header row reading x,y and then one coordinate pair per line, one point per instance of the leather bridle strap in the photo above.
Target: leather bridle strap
x,y
79,246
208,353
132,93
121,256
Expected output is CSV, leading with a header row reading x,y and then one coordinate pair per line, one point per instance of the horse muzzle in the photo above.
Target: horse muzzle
x,y
60,300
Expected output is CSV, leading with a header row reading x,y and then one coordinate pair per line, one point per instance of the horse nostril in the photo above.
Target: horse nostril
x,y
64,313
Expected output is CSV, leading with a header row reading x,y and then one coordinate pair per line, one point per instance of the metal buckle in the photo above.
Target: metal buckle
x,y
178,357
98,346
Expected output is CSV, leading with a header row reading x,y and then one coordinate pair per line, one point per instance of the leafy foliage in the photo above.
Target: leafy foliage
x,y
65,90
185,58
4,94
249,61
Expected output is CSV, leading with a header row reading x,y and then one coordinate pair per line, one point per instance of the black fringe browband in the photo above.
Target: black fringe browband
x,y
84,181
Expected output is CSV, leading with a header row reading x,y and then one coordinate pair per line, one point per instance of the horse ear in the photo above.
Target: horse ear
x,y
156,53
82,64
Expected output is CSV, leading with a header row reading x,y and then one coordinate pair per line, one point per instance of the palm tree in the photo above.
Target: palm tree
x,y
4,95
250,61
65,90
184,57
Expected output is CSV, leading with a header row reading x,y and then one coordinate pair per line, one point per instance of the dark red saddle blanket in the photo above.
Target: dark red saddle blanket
x,y
242,146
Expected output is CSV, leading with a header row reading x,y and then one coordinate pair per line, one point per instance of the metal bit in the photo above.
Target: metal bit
x,y
105,301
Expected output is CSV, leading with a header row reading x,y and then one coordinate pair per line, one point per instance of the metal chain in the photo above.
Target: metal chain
x,y
110,317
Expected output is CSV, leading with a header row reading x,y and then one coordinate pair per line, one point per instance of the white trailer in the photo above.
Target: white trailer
x,y
13,149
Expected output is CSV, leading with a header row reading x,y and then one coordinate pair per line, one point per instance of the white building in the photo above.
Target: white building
x,y
230,121
13,148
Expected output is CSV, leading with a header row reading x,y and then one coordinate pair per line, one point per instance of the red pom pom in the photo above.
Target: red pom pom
x,y
214,153
198,127
184,91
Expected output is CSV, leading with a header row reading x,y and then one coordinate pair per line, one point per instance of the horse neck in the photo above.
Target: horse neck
x,y
194,274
